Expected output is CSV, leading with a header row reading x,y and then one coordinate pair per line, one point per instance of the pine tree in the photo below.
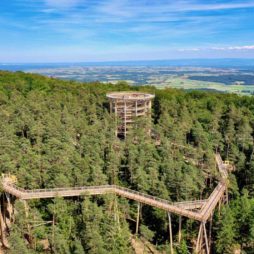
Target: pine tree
x,y
226,232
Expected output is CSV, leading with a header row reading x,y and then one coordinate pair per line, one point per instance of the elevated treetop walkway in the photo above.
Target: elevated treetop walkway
x,y
199,210
181,208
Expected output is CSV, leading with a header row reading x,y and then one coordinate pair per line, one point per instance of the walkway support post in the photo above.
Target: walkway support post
x,y
138,216
199,239
219,207
3,240
206,239
116,212
9,207
170,234
210,230
227,196
4,208
180,229
28,226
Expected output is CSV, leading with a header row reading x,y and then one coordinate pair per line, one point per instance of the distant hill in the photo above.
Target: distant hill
x,y
227,62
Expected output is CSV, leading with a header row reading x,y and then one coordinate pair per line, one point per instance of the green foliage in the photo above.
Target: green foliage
x,y
226,236
56,133
18,244
236,226
146,232
183,248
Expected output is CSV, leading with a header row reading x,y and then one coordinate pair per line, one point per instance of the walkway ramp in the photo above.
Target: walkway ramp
x,y
199,210
212,201
181,208
223,168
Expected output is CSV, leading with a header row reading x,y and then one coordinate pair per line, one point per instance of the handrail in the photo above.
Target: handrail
x,y
208,208
64,189
101,187
177,207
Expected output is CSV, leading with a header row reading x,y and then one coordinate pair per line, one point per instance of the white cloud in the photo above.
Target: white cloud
x,y
130,8
225,48
247,47
210,7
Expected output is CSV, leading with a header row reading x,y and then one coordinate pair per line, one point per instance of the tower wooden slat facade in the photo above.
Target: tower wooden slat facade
x,y
127,107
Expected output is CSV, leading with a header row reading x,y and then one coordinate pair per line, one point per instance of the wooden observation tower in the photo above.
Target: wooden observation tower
x,y
128,107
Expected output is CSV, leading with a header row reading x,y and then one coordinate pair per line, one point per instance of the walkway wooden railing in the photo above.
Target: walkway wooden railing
x,y
199,210
212,201
186,208
183,208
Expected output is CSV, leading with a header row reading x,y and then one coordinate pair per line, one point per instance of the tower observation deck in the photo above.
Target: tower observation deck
x,y
127,107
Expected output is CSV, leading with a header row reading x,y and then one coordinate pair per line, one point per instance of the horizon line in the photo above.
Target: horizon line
x,y
132,61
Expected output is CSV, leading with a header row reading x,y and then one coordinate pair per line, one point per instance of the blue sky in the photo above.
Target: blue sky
x,y
113,30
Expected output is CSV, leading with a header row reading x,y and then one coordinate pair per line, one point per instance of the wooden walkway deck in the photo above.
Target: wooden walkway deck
x,y
223,168
183,208
187,208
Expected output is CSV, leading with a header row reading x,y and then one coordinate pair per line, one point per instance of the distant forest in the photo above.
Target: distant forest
x,y
228,79
56,133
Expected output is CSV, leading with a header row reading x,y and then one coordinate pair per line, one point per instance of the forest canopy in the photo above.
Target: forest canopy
x,y
56,133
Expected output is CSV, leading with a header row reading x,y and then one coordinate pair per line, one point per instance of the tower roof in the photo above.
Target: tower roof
x,y
130,95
